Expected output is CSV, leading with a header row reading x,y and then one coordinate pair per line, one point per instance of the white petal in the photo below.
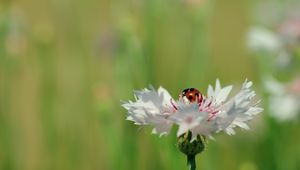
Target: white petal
x,y
248,84
241,124
182,129
254,111
237,111
162,128
230,131
151,108
218,86
164,96
223,94
210,91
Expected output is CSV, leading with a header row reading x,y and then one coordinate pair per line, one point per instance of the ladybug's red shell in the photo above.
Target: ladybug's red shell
x,y
191,94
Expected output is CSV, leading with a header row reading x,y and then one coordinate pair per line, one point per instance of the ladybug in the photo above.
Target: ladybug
x,y
192,95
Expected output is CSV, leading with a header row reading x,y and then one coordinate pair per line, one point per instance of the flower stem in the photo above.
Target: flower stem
x,y
191,162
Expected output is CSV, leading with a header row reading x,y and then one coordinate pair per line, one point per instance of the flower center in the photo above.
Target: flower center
x,y
189,119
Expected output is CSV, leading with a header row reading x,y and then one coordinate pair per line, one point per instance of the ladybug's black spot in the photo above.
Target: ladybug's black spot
x,y
192,89
185,91
190,97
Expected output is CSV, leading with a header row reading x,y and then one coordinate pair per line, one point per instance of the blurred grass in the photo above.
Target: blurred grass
x,y
65,66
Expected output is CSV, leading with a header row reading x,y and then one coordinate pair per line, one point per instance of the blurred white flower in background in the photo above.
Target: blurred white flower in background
x,y
266,41
203,116
278,34
262,39
284,99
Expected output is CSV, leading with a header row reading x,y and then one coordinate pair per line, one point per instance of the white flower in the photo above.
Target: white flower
x,y
261,39
284,99
205,116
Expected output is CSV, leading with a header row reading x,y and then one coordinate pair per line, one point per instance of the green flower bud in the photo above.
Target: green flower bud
x,y
188,147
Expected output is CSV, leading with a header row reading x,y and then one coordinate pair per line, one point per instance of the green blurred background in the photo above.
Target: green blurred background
x,y
66,65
